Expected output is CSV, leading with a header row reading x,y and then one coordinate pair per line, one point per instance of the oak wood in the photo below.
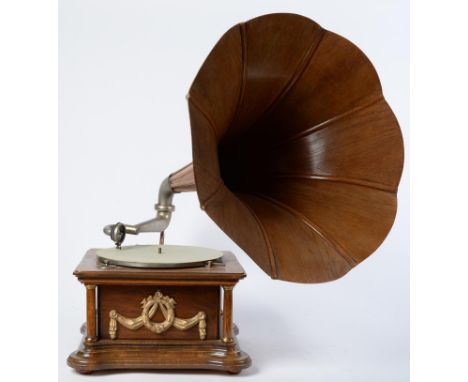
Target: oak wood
x,y
189,301
227,314
194,289
91,270
128,355
91,312
296,154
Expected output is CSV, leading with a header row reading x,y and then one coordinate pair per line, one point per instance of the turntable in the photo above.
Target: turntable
x,y
297,157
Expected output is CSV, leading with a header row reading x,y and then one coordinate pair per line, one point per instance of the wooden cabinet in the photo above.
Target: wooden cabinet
x,y
159,318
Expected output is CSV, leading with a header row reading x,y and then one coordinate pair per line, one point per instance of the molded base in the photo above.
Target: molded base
x,y
137,354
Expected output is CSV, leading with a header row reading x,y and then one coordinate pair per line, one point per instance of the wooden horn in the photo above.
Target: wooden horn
x,y
296,154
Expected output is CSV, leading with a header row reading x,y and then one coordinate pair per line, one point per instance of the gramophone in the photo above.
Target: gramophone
x,y
297,157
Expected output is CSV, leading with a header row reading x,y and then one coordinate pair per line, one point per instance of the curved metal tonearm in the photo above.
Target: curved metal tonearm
x,y
164,209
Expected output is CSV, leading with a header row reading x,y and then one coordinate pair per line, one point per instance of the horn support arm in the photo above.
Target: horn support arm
x,y
180,181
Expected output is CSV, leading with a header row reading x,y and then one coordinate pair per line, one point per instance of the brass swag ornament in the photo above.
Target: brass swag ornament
x,y
150,306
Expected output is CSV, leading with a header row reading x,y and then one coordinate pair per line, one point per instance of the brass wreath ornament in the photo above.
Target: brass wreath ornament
x,y
150,306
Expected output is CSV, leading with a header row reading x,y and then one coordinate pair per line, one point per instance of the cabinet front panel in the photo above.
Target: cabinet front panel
x,y
139,312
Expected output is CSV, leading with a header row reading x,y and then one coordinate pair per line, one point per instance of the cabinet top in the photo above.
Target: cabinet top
x,y
91,270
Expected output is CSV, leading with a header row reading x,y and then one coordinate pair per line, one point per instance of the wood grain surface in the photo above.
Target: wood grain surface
x,y
193,289
296,154
189,301
91,270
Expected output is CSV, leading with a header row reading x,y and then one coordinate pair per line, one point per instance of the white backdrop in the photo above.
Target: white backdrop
x,y
124,69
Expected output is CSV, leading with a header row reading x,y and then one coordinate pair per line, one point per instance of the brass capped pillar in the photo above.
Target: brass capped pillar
x,y
227,313
91,313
